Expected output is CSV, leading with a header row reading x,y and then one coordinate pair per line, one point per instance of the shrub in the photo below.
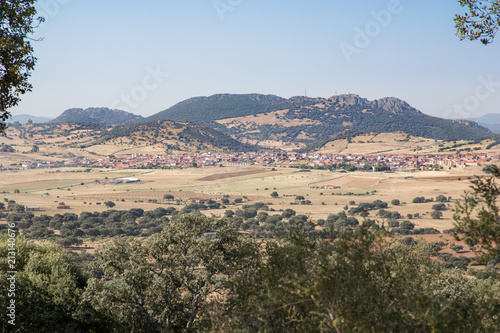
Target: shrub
x,y
436,214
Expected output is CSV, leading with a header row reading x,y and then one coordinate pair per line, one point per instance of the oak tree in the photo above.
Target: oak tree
x,y
477,216
17,24
165,283
481,22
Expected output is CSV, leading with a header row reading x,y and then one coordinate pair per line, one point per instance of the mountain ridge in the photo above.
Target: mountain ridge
x,y
313,120
490,121
300,121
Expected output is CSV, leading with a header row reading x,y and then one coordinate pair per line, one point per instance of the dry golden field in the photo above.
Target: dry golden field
x,y
86,191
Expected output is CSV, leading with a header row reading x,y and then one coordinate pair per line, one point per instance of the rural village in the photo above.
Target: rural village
x,y
393,162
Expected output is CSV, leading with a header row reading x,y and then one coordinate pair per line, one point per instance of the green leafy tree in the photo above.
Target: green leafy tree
x,y
70,241
481,22
477,218
17,18
456,248
440,206
441,198
48,288
418,200
109,204
274,194
357,283
407,225
436,214
163,285
168,197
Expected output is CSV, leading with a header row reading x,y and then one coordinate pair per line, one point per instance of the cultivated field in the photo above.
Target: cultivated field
x,y
86,191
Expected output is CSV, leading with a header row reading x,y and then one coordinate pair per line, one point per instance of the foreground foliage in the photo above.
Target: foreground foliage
x,y
481,22
17,18
48,287
163,284
477,216
356,284
201,275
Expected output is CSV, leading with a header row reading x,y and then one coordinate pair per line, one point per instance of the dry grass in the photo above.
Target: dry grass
x,y
274,118
48,189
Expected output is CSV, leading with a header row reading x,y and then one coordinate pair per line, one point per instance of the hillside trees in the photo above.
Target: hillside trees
x,y
481,22
17,19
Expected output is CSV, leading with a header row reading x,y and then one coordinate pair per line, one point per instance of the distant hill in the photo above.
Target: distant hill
x,y
490,121
177,136
101,116
221,106
23,119
314,121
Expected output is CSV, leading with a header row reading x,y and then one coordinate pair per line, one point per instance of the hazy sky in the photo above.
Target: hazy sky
x,y
145,56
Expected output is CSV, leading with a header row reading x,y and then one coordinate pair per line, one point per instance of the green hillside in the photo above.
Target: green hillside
x,y
101,116
317,119
221,106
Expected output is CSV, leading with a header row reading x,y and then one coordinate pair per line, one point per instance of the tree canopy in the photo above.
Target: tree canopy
x,y
164,284
48,287
481,22
17,18
201,274
477,217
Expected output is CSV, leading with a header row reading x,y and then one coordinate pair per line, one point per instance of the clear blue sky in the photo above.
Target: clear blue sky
x,y
96,53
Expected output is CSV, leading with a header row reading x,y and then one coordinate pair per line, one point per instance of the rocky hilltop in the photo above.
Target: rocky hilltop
x,y
101,116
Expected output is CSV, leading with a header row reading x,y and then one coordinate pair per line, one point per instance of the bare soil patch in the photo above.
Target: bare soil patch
x,y
230,175
145,196
351,182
